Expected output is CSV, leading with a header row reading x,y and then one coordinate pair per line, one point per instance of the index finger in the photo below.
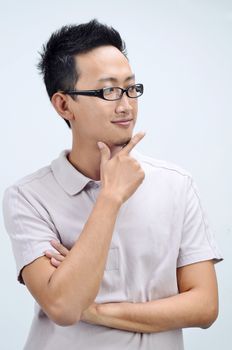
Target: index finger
x,y
133,142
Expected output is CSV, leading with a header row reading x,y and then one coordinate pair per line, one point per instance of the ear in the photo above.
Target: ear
x,y
61,103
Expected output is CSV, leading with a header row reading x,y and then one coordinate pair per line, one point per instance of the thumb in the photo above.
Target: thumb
x,y
105,152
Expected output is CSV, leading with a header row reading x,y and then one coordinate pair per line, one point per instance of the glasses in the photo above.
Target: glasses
x,y
110,93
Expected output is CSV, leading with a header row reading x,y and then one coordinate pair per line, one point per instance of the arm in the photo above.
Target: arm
x,y
66,291
62,292
195,306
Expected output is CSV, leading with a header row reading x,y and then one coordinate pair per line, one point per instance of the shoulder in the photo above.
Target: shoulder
x,y
158,166
34,177
24,202
27,189
31,180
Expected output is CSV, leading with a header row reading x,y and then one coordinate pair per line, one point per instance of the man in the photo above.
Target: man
x,y
139,256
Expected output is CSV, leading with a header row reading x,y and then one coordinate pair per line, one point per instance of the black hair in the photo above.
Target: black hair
x,y
57,63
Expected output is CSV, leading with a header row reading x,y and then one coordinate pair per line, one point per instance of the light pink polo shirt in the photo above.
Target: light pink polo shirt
x,y
160,228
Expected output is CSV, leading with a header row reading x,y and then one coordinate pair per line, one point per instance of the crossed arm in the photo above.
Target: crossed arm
x,y
195,306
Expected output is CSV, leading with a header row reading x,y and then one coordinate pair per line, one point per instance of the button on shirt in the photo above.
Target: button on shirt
x,y
161,227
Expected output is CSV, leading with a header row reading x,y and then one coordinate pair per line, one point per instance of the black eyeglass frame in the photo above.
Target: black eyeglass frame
x,y
100,92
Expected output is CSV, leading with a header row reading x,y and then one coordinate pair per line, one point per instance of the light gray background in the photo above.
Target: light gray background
x,y
181,51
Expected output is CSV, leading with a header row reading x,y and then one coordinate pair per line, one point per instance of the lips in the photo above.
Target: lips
x,y
122,121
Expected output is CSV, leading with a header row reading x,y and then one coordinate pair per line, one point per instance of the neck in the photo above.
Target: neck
x,y
87,158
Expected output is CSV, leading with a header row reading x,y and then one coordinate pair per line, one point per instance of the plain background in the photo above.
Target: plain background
x,y
182,52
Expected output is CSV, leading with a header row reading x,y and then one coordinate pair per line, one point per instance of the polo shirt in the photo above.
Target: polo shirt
x,y
161,227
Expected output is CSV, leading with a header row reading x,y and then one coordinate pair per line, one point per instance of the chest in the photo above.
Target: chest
x,y
145,223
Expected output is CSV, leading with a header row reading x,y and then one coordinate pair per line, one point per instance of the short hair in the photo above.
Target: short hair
x,y
57,63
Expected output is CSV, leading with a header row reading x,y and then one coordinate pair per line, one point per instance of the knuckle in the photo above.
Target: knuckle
x,y
58,245
133,141
121,158
136,164
142,174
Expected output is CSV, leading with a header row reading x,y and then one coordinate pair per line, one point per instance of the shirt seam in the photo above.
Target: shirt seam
x,y
203,217
26,182
166,168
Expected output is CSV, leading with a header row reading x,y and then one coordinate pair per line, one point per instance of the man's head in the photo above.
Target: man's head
x,y
90,56
58,65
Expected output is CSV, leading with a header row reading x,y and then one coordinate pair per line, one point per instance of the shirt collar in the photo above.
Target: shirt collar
x,y
68,177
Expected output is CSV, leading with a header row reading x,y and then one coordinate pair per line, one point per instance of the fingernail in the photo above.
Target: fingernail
x,y
53,241
100,145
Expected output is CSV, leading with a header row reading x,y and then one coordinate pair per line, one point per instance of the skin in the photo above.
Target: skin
x,y
66,286
91,118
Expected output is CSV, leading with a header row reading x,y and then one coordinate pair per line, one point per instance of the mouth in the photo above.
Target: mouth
x,y
123,122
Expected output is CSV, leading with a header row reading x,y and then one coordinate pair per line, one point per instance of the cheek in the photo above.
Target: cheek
x,y
95,107
135,107
94,117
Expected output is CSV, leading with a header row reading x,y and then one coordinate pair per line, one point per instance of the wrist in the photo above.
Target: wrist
x,y
110,310
112,199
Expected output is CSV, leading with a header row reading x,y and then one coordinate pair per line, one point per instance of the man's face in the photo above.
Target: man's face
x,y
95,118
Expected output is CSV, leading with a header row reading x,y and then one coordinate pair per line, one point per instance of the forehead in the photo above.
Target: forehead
x,y
103,62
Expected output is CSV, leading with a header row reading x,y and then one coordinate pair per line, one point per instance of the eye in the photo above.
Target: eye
x,y
133,90
112,93
109,91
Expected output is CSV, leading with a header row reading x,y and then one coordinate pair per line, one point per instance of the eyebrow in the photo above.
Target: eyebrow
x,y
115,80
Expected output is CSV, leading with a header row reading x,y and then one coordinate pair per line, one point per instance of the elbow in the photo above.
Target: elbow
x,y
65,321
209,316
62,315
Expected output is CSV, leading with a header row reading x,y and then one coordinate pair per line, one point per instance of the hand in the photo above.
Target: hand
x,y
121,175
56,259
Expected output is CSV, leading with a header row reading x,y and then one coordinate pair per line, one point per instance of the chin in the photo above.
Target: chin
x,y
122,142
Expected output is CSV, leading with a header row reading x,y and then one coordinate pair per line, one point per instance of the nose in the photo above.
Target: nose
x,y
124,105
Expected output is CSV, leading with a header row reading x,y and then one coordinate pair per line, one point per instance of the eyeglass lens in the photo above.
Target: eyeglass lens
x,y
113,93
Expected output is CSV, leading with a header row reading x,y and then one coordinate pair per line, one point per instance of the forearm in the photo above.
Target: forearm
x,y
76,281
188,309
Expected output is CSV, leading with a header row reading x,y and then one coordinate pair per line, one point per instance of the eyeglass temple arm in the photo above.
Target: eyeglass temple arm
x,y
85,93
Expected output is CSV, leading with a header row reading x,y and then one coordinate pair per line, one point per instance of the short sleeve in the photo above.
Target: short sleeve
x,y
197,240
29,229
